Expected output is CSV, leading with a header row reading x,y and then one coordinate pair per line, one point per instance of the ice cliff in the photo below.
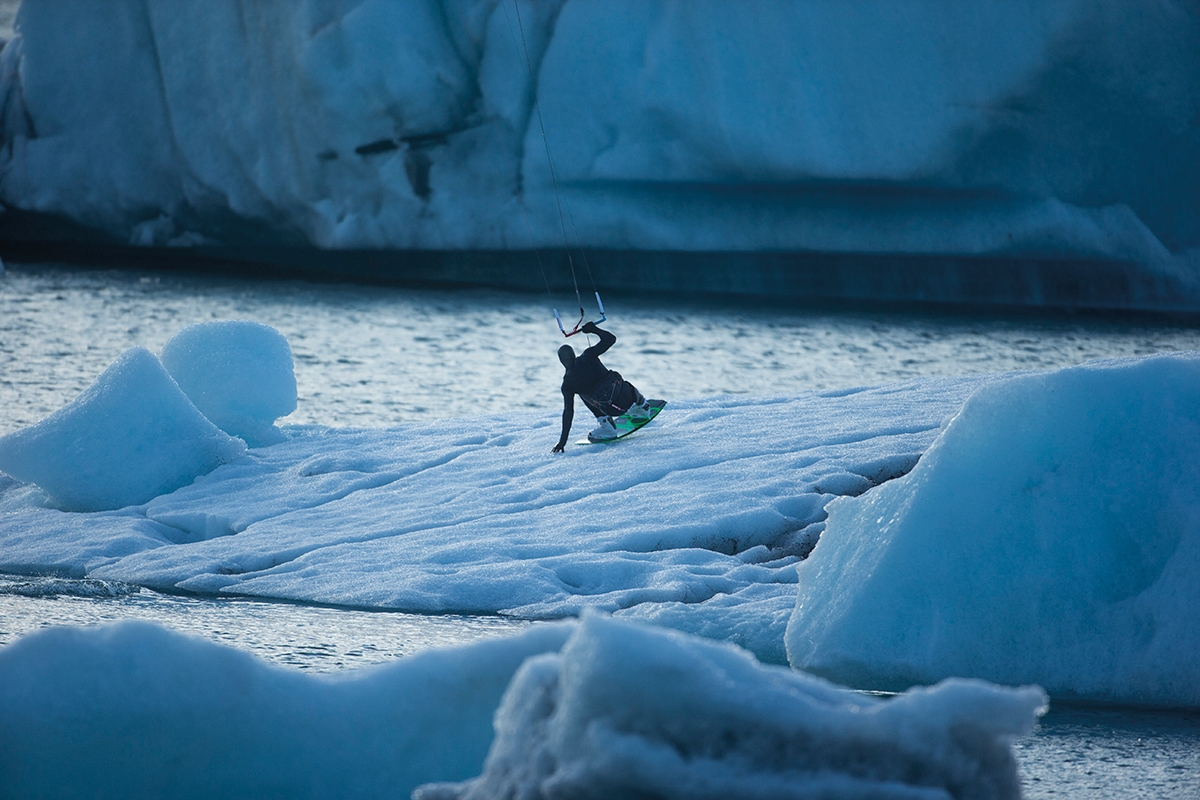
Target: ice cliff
x,y
1022,129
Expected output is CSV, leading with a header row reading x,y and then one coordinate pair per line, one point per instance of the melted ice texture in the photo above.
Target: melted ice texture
x,y
866,126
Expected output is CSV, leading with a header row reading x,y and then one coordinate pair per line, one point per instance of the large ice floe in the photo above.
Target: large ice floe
x,y
998,128
1052,533
132,710
697,522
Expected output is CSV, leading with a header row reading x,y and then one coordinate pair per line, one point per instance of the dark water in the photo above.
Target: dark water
x,y
1081,752
309,638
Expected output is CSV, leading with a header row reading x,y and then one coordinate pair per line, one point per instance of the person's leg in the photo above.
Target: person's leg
x,y
605,427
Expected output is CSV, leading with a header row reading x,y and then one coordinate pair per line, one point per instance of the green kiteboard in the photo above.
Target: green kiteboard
x,y
626,426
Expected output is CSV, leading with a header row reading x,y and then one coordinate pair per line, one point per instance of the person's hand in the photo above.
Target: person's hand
x,y
558,448
589,327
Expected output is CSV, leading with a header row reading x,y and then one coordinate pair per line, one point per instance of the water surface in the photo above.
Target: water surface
x,y
378,356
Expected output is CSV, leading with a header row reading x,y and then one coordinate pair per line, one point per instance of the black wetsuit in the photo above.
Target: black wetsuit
x,y
603,390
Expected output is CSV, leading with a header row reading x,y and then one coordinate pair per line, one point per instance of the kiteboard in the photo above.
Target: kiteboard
x,y
626,426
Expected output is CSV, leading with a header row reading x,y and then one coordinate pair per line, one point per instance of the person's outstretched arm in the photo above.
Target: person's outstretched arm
x,y
607,340
567,418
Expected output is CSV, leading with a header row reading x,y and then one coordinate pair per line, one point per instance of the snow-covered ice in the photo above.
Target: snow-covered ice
x,y
1007,127
632,711
134,710
1051,534
238,373
131,436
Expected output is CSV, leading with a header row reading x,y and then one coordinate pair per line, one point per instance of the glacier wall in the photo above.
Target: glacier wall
x,y
1022,129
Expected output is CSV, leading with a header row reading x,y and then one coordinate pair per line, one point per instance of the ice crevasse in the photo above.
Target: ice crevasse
x,y
1064,128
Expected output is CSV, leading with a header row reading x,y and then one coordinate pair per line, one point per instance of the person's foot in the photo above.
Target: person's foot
x,y
604,431
639,411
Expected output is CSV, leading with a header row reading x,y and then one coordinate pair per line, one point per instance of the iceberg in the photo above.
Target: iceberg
x,y
238,373
130,437
1051,534
632,711
922,151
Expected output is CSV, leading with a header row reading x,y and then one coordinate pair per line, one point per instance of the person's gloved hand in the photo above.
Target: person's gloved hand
x,y
558,448
589,327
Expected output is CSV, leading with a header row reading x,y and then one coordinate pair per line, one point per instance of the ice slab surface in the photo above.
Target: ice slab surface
x,y
697,520
1051,534
131,436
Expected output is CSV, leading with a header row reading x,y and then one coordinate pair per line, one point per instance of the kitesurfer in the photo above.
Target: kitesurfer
x,y
602,390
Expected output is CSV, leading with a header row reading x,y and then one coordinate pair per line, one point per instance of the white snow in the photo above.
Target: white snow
x,y
238,373
131,436
133,710
1004,127
1051,534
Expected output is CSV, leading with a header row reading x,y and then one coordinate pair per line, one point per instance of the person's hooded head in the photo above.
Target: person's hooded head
x,y
566,354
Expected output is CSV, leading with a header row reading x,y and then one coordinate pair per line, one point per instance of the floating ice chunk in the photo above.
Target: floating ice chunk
x,y
131,436
134,710
1051,535
238,373
634,711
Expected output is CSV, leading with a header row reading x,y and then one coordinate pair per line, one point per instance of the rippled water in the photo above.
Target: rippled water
x,y
309,638
379,356
376,356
